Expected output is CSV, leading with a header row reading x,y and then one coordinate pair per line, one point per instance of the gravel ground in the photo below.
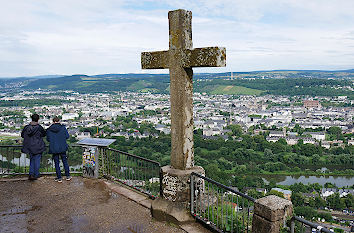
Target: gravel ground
x,y
79,205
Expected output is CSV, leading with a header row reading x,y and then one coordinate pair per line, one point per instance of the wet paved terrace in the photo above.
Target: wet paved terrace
x,y
79,205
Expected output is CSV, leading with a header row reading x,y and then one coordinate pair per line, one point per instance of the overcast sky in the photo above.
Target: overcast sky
x,y
39,37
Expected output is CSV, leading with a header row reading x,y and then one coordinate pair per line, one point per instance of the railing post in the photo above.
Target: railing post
x,y
292,225
161,193
93,164
192,194
102,170
270,214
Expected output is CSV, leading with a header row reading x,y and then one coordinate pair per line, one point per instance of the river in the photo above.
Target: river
x,y
339,181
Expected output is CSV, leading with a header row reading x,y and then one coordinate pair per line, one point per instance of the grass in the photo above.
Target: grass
x,y
142,84
4,137
149,90
85,84
235,90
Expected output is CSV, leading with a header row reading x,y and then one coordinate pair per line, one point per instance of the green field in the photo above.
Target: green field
x,y
152,90
51,86
86,83
235,90
136,86
5,137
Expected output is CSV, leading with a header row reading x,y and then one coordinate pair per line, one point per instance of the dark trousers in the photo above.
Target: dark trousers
x,y
35,161
64,159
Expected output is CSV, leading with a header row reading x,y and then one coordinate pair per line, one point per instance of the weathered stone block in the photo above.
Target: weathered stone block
x,y
273,208
176,183
262,225
164,210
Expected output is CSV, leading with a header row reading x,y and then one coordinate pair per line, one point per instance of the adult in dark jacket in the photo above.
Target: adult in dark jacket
x,y
33,145
57,135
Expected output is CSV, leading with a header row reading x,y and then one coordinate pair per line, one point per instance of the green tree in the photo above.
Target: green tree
x,y
236,130
297,199
349,201
334,132
255,194
334,202
306,211
276,193
329,185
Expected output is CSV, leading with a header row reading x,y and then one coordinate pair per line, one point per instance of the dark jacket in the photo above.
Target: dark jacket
x,y
33,143
56,136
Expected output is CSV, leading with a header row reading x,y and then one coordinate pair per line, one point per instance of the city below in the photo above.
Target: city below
x,y
299,146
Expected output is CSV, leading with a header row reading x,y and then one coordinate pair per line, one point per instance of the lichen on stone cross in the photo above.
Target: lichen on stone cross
x,y
179,59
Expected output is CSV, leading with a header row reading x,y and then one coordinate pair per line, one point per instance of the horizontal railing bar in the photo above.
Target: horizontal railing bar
x,y
42,173
137,170
135,156
311,224
224,186
130,186
5,146
18,146
15,165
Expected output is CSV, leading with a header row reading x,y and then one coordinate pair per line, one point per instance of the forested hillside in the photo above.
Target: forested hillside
x,y
312,83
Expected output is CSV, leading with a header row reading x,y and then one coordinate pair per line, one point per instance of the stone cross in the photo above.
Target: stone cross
x,y
179,59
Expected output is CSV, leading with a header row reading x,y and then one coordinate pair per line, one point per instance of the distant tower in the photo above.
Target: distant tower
x,y
284,131
232,76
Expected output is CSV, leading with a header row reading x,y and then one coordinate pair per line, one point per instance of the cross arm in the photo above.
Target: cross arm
x,y
206,57
155,60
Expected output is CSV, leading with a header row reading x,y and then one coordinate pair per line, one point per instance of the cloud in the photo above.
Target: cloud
x,y
92,37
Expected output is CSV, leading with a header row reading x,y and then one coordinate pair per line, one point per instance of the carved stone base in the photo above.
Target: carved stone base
x,y
174,212
176,183
173,205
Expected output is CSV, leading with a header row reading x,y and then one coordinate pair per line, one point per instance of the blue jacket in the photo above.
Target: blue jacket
x,y
56,136
33,143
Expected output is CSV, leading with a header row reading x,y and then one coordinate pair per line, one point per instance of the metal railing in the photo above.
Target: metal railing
x,y
220,207
14,162
137,172
301,225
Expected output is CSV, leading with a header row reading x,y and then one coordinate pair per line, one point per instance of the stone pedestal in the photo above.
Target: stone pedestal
x,y
270,214
173,205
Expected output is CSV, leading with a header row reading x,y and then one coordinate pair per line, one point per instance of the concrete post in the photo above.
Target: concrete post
x,y
270,214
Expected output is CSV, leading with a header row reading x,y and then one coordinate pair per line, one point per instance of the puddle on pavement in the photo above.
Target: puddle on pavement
x,y
19,210
105,194
136,228
80,223
132,228
114,195
77,182
15,219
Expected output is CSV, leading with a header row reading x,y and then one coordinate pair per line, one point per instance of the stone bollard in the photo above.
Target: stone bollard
x,y
270,214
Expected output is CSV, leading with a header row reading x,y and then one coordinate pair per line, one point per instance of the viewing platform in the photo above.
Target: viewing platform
x,y
79,205
115,191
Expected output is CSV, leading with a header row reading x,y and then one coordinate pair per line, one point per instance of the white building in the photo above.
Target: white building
x,y
69,116
320,136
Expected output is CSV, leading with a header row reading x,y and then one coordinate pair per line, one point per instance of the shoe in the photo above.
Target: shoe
x,y
58,180
68,178
30,177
